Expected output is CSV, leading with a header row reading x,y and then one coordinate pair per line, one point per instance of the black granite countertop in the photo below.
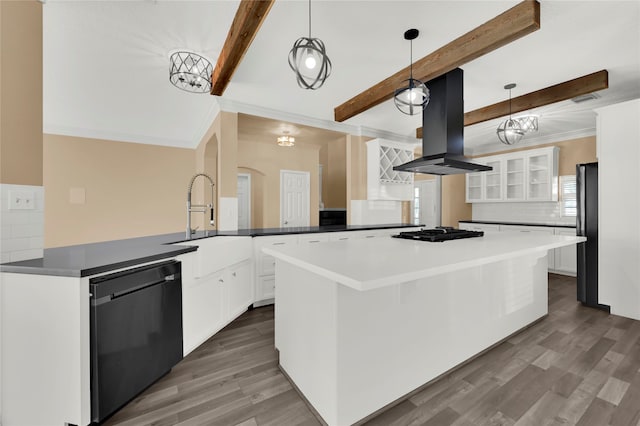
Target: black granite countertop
x,y
90,259
490,222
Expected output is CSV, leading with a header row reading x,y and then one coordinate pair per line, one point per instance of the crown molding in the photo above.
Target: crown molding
x,y
229,105
114,136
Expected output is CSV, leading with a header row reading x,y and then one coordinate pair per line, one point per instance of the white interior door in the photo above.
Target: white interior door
x,y
429,197
244,201
294,198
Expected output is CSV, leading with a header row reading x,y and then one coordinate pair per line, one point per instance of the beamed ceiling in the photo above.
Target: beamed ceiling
x,y
106,65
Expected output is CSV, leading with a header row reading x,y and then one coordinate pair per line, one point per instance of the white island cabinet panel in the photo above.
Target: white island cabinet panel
x,y
379,329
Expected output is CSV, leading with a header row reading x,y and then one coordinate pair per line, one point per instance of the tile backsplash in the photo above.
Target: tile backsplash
x,y
548,213
21,222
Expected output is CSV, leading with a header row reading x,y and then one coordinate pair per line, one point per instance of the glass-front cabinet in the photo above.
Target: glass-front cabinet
x,y
493,181
474,187
530,175
514,179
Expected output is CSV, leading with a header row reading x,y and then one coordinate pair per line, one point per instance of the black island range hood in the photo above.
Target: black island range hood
x,y
442,130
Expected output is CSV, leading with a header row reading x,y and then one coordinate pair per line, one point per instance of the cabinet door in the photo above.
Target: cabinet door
x,y
202,309
539,175
566,260
240,288
493,181
267,287
474,187
514,179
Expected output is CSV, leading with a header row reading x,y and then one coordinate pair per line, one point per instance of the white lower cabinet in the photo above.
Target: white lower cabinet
x,y
561,260
566,258
212,299
485,227
265,266
202,312
239,285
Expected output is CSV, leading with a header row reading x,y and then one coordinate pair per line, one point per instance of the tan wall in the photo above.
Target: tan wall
x,y
356,167
129,189
333,157
454,207
264,159
21,90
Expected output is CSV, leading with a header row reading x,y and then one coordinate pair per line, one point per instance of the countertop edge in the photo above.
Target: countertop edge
x,y
165,246
491,222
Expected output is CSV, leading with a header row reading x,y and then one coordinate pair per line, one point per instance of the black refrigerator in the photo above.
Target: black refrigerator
x,y
587,226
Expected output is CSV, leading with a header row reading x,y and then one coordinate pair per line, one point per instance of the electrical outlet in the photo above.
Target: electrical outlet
x,y
22,200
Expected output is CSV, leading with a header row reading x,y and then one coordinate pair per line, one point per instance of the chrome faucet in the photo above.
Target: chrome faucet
x,y
201,208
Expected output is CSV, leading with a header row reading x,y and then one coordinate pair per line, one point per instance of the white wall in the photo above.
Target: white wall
x,y
22,230
618,150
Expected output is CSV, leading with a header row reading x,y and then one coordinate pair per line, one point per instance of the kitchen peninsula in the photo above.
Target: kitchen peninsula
x,y
46,303
360,324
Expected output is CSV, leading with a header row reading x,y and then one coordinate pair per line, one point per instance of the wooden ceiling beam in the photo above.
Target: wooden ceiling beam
x,y
245,26
560,92
520,20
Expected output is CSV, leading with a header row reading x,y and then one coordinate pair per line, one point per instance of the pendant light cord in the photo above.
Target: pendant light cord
x,y
309,18
411,59
509,104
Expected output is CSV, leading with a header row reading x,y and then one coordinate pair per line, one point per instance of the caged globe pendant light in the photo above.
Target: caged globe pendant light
x,y
308,59
412,98
510,131
190,72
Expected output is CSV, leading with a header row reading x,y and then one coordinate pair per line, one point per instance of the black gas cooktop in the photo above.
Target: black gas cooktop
x,y
439,234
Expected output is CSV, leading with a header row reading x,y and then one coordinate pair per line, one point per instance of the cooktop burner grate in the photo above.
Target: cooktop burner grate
x,y
439,234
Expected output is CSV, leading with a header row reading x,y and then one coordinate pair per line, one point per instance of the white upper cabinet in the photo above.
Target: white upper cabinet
x,y
384,183
542,174
530,175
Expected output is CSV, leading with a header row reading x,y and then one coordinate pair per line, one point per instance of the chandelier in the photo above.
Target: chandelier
x,y
190,72
286,140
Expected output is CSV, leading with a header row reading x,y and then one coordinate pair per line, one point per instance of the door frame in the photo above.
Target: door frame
x,y
248,176
308,193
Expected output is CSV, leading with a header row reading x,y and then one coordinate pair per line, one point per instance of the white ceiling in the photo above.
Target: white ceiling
x,y
106,64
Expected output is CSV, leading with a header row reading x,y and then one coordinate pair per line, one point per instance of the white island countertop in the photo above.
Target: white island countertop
x,y
379,262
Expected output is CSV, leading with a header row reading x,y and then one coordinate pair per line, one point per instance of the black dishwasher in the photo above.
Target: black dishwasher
x,y
136,332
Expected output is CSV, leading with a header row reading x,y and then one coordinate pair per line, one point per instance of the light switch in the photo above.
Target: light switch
x,y
22,200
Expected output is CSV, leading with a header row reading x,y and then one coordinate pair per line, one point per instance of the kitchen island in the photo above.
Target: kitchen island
x,y
359,324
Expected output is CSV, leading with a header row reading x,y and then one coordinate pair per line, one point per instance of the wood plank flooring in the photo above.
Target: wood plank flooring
x,y
578,366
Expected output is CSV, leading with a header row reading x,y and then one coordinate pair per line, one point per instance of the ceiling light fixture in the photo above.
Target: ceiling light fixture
x,y
510,131
190,72
528,123
286,140
308,59
412,98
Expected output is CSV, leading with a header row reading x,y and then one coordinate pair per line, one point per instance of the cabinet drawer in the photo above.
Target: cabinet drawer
x,y
313,238
527,229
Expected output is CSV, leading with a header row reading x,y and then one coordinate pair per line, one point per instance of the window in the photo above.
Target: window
x,y
568,200
416,205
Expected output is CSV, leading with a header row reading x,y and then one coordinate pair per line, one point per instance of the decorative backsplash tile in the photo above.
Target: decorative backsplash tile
x,y
549,213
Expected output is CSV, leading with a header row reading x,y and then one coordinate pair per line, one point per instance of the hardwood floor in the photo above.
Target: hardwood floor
x,y
578,366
